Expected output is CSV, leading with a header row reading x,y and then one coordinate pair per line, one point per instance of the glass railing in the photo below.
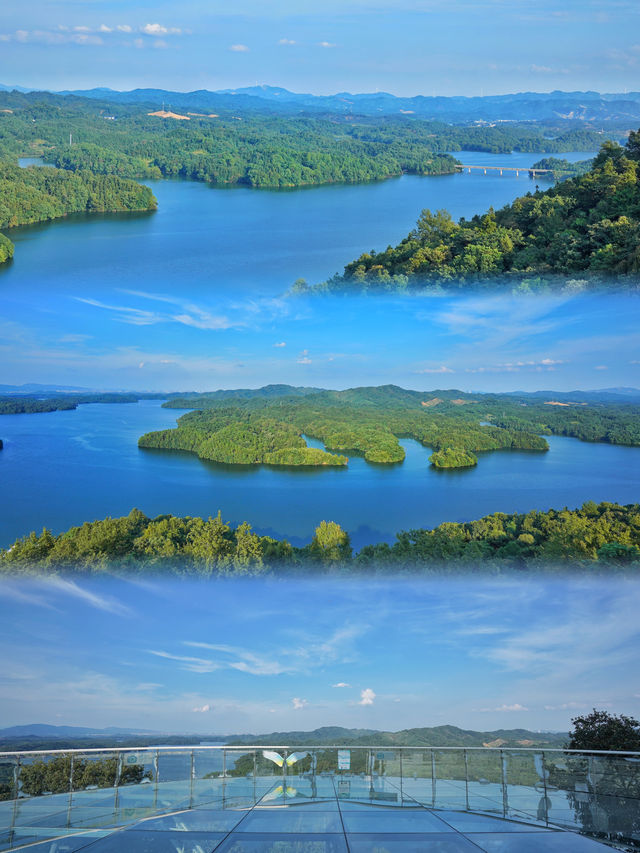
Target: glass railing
x,y
46,795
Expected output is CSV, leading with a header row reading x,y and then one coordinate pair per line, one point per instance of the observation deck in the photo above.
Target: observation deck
x,y
258,799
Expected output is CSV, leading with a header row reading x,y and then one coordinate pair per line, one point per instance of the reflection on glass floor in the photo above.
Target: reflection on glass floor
x,y
267,815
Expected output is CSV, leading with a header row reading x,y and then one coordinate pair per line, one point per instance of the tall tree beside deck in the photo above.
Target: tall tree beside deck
x,y
602,730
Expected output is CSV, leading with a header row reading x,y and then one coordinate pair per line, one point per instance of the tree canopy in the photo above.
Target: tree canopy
x,y
605,731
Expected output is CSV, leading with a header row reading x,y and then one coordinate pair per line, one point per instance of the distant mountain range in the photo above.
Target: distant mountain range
x,y
522,106
41,736
37,388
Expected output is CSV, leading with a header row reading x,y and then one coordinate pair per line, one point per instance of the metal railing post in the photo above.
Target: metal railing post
x,y
192,778
505,796
433,780
224,776
401,779
71,763
155,787
544,788
14,811
466,780
116,788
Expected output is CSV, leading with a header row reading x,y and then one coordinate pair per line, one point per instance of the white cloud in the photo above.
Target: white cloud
x,y
326,44
202,710
514,707
304,357
298,704
341,684
238,48
124,28
367,696
441,369
601,367
544,364
79,36
287,41
280,344
159,30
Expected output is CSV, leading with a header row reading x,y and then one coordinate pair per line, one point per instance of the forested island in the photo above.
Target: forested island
x,y
587,226
38,195
605,535
267,426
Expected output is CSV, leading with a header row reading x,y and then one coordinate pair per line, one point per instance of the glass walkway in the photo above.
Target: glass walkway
x,y
318,800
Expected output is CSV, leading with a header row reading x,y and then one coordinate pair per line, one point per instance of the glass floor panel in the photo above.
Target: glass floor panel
x,y
298,826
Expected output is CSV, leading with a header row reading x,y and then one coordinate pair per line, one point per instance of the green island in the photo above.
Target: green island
x,y
37,195
586,226
267,426
602,535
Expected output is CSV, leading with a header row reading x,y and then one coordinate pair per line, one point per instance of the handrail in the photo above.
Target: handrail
x,y
299,746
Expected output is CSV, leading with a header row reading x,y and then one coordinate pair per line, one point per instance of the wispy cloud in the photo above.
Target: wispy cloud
x,y
107,603
243,660
299,704
191,664
238,48
441,369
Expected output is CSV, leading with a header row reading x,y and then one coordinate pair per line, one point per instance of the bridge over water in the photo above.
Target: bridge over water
x,y
517,169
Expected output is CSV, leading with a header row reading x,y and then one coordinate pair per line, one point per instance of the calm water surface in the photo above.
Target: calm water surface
x,y
64,468
204,238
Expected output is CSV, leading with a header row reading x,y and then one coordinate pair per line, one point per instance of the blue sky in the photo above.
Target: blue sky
x,y
260,656
403,46
158,340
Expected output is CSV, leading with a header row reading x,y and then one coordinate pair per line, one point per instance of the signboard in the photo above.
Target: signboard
x,y
344,759
344,788
133,758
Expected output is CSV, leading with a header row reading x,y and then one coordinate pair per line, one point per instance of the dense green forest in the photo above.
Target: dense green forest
x,y
258,150
36,195
244,427
588,226
18,404
562,168
602,534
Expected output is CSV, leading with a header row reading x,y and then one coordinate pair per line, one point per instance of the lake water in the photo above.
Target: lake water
x,y
63,468
233,239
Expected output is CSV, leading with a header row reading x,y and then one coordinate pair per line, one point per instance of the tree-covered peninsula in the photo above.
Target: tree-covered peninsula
x,y
267,425
586,227
369,421
37,195
602,535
